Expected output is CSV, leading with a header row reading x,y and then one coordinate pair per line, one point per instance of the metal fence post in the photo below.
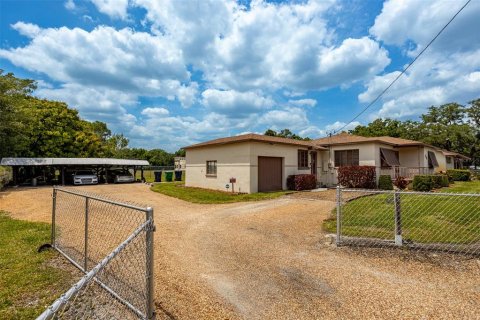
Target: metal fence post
x,y
339,215
85,261
149,266
54,205
398,218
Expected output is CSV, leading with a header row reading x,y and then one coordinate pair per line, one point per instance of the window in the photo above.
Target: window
x,y
211,168
346,158
389,158
449,160
302,159
432,160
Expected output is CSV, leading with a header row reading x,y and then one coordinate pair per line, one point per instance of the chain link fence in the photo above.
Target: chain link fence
x,y
112,243
418,220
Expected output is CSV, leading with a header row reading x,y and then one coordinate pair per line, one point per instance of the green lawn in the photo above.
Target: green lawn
x,y
463,187
425,218
27,284
198,195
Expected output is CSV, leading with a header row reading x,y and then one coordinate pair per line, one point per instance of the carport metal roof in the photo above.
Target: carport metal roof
x,y
72,161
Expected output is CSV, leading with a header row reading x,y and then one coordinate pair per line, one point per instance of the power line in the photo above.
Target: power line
x,y
404,70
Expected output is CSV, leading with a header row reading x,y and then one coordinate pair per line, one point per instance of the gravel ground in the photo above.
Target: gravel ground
x,y
269,260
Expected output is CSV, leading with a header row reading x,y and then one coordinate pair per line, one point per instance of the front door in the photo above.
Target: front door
x,y
313,168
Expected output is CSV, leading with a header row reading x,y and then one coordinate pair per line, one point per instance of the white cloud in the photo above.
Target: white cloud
x,y
70,5
235,103
113,8
448,71
155,112
303,102
27,29
267,46
291,117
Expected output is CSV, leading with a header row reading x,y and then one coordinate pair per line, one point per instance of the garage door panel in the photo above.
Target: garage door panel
x,y
269,174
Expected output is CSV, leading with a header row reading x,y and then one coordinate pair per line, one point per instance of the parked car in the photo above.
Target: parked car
x,y
119,176
84,177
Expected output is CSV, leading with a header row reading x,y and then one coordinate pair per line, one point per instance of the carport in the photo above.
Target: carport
x,y
53,170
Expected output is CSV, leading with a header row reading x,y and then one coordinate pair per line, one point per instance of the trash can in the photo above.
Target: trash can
x,y
158,176
169,176
34,182
178,175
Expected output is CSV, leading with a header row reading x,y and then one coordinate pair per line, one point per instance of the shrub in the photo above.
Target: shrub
x,y
401,183
444,181
385,182
459,174
300,182
422,183
437,180
357,177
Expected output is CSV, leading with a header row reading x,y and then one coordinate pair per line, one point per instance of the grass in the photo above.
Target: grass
x,y
425,218
198,195
463,187
27,283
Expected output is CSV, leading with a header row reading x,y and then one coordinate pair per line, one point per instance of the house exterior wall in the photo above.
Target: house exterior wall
x,y
442,162
240,161
233,160
411,157
450,165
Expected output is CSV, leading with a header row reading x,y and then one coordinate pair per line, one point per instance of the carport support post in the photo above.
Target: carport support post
x,y
63,175
149,266
339,215
398,219
141,175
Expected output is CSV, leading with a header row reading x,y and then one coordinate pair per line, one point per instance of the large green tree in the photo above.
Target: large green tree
x,y
285,133
451,126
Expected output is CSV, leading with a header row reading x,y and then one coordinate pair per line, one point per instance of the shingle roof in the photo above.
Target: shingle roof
x,y
346,138
255,137
455,154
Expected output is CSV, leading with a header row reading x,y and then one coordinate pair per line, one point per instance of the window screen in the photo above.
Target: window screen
x,y
212,167
346,158
302,159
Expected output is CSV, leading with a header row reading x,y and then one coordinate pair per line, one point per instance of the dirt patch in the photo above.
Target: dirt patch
x,y
268,260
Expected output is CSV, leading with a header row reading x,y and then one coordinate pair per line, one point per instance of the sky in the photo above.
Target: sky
x,y
170,73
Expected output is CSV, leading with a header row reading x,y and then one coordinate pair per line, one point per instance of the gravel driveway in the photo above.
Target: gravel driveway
x,y
269,260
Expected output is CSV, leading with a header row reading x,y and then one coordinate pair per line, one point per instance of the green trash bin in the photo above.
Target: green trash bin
x,y
169,176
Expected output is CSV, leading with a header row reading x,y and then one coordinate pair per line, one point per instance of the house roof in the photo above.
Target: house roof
x,y
256,138
454,154
346,138
71,161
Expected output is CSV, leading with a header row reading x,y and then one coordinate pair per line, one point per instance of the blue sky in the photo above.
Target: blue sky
x,y
171,73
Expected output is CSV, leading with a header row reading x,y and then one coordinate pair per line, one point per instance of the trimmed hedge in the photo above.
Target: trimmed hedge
x,y
401,183
385,182
422,183
300,182
459,174
357,177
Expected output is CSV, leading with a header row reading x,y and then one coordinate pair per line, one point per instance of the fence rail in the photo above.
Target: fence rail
x,y
418,220
112,243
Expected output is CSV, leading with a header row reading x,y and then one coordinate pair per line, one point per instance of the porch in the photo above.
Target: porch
x,y
406,172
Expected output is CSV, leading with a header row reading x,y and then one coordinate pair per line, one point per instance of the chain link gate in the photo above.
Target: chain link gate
x,y
112,243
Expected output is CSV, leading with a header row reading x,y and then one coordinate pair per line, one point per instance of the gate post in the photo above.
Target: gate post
x,y
398,218
85,261
339,215
149,264
54,205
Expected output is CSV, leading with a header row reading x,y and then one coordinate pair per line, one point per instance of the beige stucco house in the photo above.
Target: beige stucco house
x,y
253,163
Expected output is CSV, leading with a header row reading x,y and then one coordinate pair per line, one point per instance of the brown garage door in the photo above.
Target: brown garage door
x,y
269,174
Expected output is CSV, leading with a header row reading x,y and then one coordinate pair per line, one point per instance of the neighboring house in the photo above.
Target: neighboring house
x,y
262,163
455,160
180,163
257,163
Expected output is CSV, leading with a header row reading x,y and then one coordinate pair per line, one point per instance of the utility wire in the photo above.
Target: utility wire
x,y
404,70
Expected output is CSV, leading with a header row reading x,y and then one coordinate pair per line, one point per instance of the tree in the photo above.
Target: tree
x,y
180,153
285,133
13,93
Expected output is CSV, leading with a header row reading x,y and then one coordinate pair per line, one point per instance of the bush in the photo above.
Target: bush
x,y
357,177
422,183
437,181
401,183
444,181
385,182
300,182
459,174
